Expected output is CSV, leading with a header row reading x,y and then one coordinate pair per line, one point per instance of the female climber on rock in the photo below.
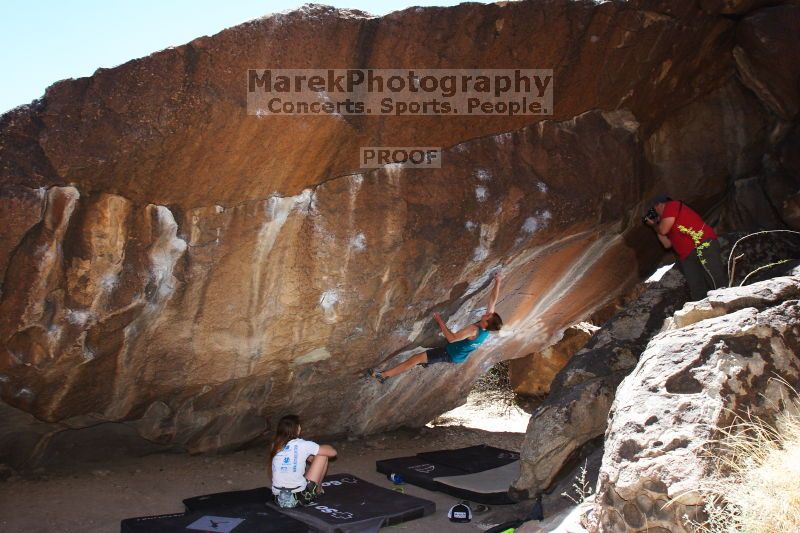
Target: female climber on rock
x,y
298,466
459,344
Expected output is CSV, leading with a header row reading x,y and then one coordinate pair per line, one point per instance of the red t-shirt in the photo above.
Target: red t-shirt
x,y
682,243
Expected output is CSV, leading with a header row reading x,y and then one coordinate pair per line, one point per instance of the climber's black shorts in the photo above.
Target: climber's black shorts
x,y
438,355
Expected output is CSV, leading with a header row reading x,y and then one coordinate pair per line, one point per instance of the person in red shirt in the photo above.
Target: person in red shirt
x,y
679,227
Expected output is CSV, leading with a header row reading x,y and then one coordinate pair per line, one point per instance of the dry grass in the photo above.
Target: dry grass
x,y
495,384
581,486
756,485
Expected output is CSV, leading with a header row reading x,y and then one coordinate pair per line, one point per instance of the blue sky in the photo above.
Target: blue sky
x,y
44,41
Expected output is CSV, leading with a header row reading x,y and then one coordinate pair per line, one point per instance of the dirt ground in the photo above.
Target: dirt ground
x,y
94,496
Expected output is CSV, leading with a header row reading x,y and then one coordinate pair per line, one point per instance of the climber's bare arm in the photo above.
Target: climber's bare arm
x,y
447,333
464,333
495,292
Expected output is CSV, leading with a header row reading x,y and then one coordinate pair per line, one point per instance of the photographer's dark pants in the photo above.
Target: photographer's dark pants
x,y
702,279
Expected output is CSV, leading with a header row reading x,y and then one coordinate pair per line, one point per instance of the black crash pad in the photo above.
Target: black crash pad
x,y
242,519
349,505
446,470
234,498
417,471
471,459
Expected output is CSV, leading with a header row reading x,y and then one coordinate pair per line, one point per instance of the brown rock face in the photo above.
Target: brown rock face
x,y
531,375
710,141
172,262
271,301
172,129
738,7
768,57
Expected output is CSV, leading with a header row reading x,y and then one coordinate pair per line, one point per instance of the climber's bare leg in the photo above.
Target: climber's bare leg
x,y
418,359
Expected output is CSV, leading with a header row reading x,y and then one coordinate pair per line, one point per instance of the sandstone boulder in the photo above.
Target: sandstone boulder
x,y
196,272
531,375
172,128
575,412
688,383
727,300
206,322
581,395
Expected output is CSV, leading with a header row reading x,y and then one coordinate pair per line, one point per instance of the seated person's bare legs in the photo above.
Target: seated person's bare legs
x,y
317,469
318,465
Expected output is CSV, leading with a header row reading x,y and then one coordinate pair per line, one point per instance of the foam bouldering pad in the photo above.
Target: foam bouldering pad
x,y
417,471
243,519
234,498
481,474
351,505
491,481
472,459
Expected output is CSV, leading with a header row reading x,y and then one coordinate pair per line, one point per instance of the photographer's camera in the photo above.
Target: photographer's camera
x,y
650,215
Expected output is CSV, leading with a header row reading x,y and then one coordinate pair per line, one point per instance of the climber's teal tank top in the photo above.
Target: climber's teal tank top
x,y
460,350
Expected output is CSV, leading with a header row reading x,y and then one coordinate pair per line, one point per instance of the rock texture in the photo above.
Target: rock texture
x,y
576,410
532,375
768,57
727,127
717,357
152,127
737,7
205,321
175,264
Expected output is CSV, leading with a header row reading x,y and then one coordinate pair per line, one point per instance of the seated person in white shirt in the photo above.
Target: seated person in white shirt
x,y
298,466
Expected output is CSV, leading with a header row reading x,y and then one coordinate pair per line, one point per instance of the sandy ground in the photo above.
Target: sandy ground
x,y
91,497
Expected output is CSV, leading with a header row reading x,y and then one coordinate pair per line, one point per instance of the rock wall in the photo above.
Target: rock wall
x,y
576,410
275,305
767,55
717,357
170,262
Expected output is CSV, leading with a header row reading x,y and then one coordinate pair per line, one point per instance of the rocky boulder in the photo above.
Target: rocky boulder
x,y
531,375
194,272
575,411
717,357
207,321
